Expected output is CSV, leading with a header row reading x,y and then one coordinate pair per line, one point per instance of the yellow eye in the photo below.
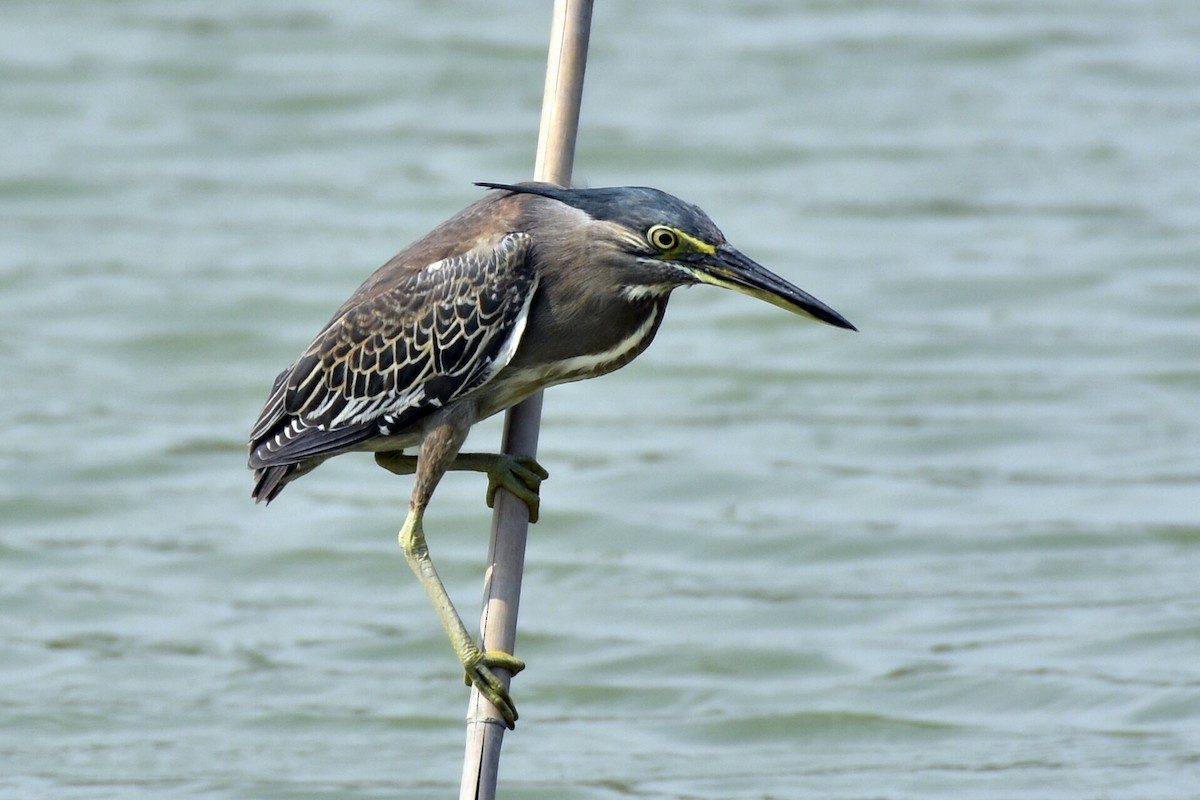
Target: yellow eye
x,y
663,238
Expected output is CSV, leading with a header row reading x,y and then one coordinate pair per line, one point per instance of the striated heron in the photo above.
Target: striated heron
x,y
532,286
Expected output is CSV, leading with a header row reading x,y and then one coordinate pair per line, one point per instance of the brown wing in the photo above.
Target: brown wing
x,y
401,353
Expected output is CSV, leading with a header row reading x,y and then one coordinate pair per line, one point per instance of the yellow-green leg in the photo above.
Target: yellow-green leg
x,y
477,663
520,475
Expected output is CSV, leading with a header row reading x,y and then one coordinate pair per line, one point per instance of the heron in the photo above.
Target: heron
x,y
532,286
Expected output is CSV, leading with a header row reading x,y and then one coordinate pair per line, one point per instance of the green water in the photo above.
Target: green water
x,y
954,555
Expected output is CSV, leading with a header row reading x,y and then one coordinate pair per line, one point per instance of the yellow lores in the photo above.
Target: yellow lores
x,y
675,243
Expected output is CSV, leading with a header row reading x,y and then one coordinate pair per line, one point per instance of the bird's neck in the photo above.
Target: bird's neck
x,y
591,339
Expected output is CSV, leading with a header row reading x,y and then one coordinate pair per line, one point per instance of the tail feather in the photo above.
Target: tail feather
x,y
269,481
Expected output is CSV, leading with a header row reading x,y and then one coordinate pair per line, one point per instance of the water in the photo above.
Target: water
x,y
954,555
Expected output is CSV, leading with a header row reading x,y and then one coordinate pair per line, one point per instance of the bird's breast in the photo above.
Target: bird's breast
x,y
607,350
586,348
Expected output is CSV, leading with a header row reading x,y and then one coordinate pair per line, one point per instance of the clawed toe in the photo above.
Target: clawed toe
x,y
479,674
521,475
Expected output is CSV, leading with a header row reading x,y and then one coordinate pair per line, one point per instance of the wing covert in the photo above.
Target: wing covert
x,y
399,352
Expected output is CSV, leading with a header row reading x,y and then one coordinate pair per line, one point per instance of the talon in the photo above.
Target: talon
x,y
521,475
498,659
479,674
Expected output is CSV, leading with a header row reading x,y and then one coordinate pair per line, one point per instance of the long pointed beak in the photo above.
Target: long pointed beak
x,y
728,268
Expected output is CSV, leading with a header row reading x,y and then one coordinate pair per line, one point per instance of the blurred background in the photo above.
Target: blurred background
x,y
953,555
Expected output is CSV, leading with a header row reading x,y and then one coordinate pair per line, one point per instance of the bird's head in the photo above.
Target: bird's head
x,y
670,243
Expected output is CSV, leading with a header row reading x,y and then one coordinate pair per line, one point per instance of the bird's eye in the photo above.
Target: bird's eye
x,y
663,238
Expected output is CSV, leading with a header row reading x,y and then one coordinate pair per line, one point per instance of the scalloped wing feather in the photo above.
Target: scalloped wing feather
x,y
399,353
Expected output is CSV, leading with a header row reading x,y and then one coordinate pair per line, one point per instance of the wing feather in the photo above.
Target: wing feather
x,y
400,352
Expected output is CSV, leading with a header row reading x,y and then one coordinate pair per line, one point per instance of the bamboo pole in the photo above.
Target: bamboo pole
x,y
510,521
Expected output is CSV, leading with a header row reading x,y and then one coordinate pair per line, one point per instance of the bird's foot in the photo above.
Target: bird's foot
x,y
479,666
521,475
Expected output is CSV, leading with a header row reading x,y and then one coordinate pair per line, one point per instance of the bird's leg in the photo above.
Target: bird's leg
x,y
521,475
437,452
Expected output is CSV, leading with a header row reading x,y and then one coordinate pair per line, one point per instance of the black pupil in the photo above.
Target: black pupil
x,y
664,239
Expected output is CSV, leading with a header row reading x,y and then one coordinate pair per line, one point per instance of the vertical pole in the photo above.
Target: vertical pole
x,y
510,521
